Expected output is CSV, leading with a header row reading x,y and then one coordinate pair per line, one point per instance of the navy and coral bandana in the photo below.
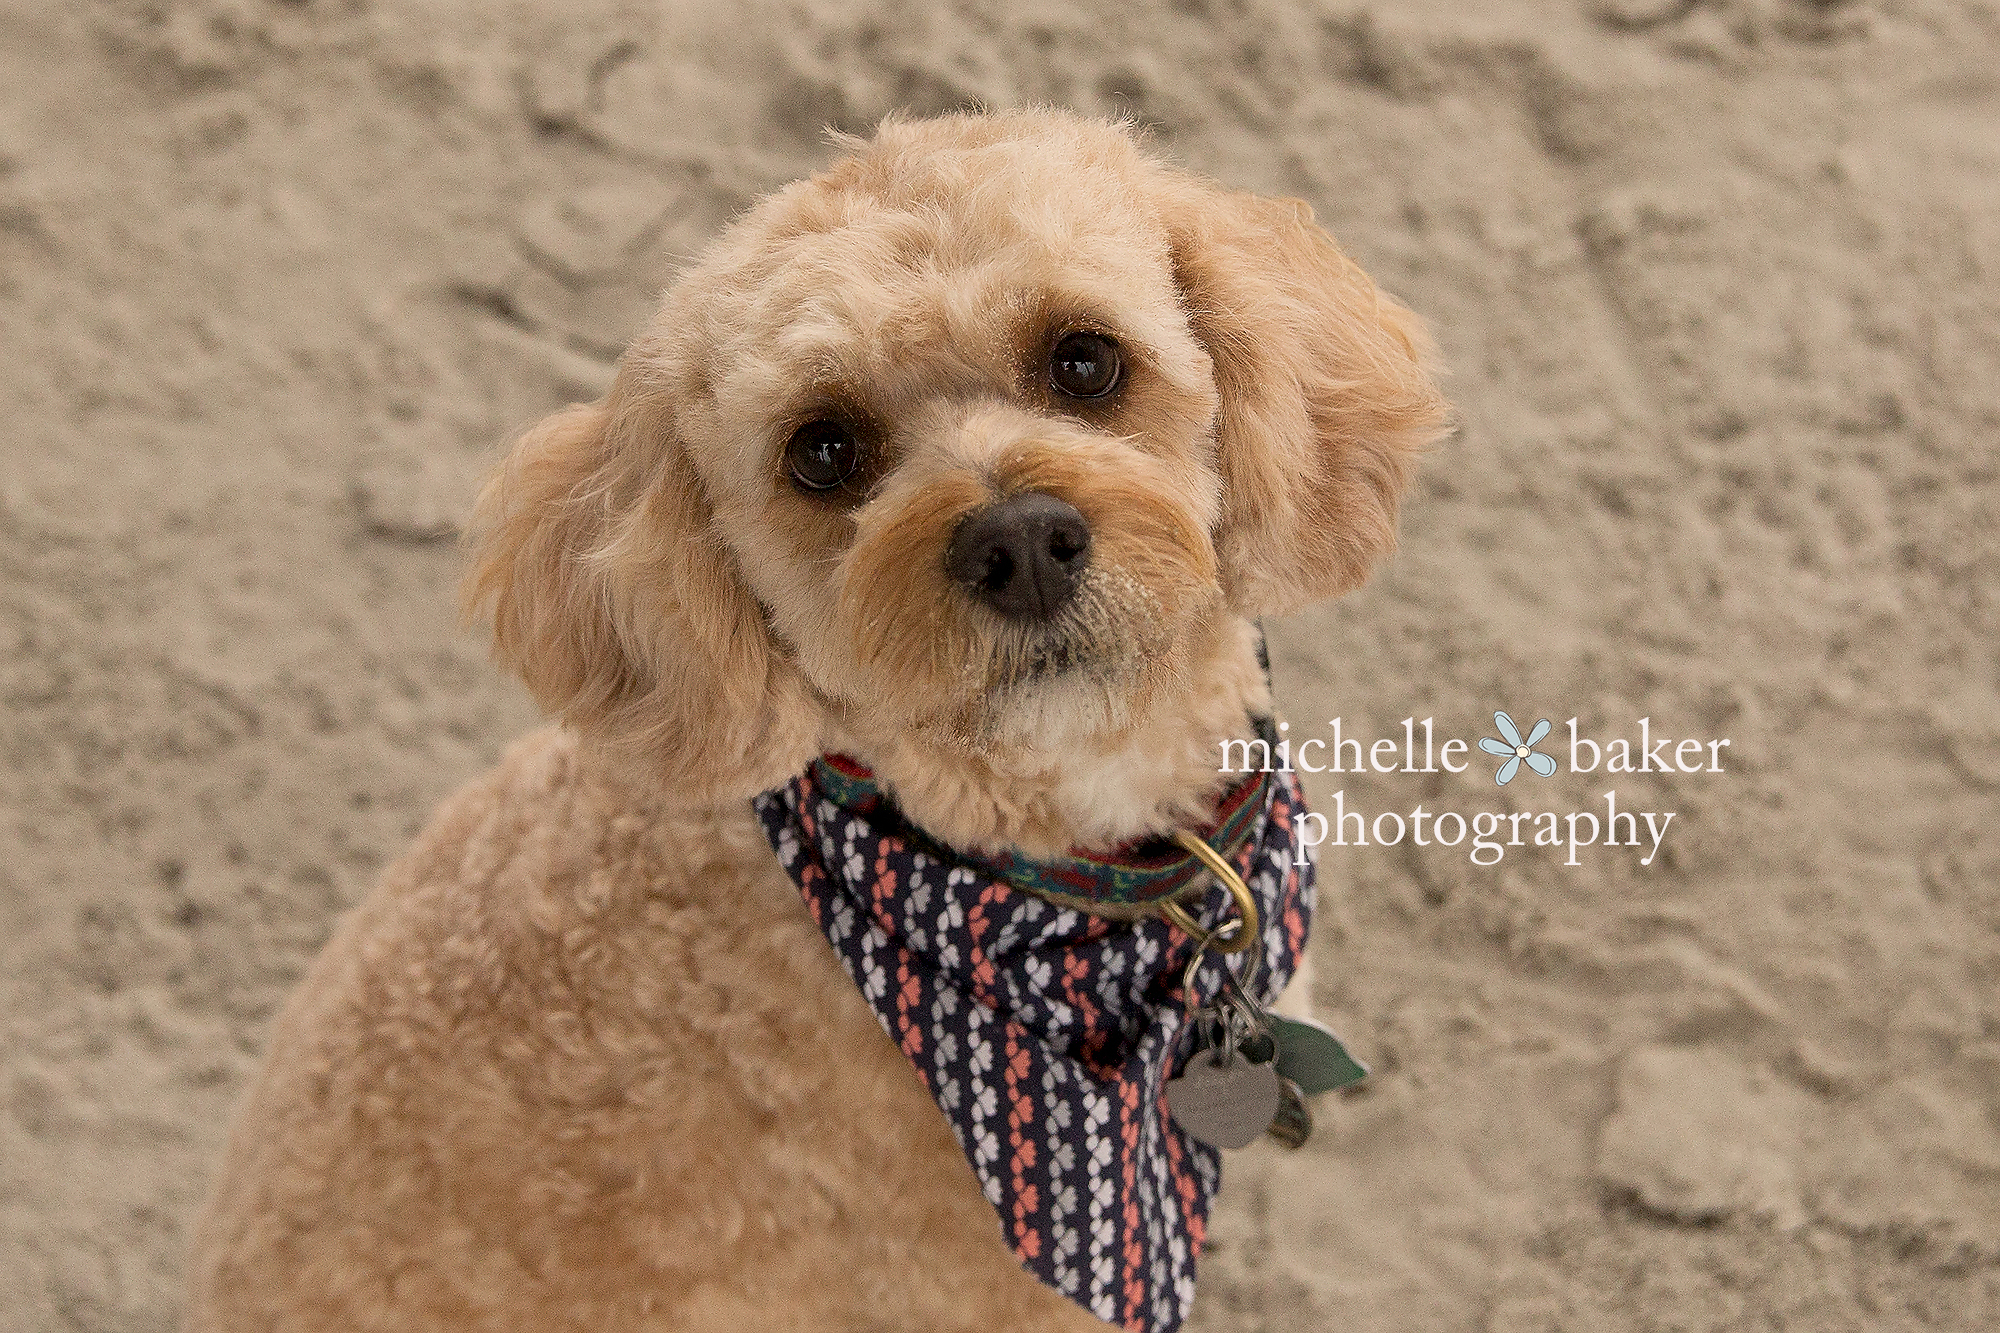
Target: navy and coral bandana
x,y
1046,1034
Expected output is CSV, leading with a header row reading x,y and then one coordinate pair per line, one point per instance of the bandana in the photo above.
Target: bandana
x,y
1046,1034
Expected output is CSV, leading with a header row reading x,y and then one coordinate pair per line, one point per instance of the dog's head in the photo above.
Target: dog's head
x,y
985,434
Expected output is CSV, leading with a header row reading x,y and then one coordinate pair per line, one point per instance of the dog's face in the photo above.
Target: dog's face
x,y
958,434
984,435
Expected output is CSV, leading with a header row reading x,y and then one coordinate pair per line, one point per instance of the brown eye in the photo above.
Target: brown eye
x,y
822,455
1084,365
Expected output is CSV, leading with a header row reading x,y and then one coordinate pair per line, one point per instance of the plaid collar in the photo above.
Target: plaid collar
x,y
1146,870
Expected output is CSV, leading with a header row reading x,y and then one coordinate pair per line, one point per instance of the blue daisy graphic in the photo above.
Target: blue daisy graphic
x,y
1517,749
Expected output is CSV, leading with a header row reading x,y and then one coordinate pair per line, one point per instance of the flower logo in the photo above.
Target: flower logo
x,y
1517,749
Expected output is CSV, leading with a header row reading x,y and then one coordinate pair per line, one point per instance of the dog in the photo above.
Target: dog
x,y
975,458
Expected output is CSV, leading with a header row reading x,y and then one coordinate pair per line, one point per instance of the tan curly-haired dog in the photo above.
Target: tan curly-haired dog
x,y
583,1060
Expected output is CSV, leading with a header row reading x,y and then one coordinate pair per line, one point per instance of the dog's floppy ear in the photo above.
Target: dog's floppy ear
x,y
1326,397
616,600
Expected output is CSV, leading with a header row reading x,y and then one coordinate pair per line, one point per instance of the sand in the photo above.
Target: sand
x,y
1720,286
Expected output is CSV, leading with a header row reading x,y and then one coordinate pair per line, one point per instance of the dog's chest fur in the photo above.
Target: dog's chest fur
x,y
582,1053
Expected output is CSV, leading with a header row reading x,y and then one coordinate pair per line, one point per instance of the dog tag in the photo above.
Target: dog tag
x,y
1293,1124
1227,1104
1312,1057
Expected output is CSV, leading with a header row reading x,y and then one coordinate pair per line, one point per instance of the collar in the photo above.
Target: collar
x,y
1135,874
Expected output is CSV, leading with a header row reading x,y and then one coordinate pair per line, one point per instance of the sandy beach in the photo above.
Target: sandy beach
x,y
1718,282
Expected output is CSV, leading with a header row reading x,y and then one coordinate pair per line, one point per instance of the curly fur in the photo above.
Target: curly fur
x,y
582,1060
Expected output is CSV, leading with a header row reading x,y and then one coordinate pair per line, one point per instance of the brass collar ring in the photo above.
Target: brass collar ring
x,y
1231,936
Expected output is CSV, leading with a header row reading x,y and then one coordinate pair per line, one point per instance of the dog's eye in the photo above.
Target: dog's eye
x,y
822,455
1084,365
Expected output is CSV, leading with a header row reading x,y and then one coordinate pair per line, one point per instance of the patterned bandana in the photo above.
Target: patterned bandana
x,y
1045,1034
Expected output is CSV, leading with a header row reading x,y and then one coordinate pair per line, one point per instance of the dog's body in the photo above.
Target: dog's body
x,y
584,1060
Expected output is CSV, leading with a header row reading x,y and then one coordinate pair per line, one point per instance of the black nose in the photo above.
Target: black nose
x,y
1021,556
